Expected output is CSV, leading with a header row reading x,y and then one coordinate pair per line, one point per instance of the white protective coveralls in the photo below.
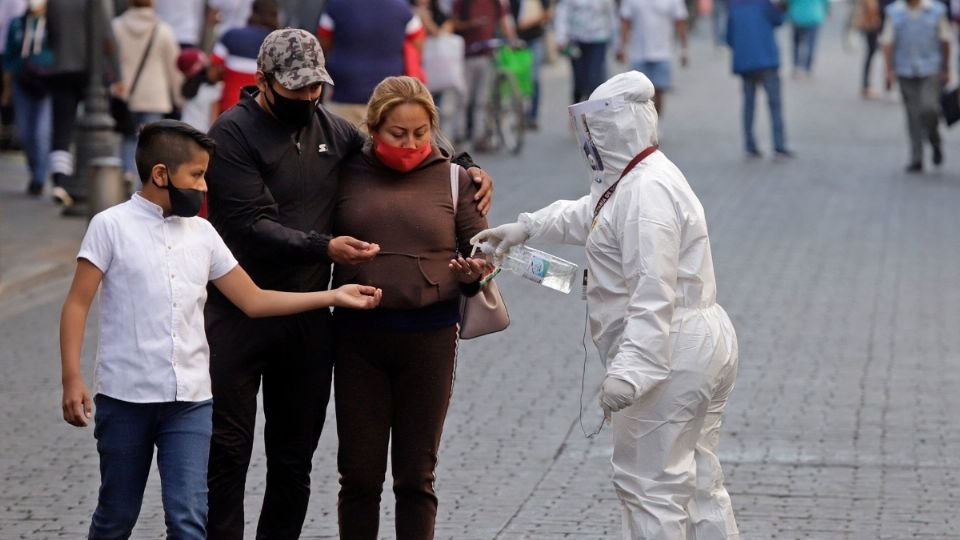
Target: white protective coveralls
x,y
654,319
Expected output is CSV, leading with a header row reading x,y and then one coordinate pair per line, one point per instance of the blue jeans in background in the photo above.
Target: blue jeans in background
x,y
804,44
130,143
538,49
589,69
718,17
770,80
33,119
126,434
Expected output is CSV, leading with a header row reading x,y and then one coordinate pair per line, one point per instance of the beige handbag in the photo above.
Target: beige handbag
x,y
483,313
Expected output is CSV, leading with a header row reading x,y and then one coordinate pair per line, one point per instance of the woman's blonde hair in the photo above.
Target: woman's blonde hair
x,y
394,91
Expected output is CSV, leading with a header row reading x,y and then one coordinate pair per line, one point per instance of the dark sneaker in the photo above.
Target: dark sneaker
x,y
34,190
915,168
937,156
74,210
783,155
531,124
754,154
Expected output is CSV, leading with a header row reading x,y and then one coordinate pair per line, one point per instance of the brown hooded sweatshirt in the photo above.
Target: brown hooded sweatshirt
x,y
411,216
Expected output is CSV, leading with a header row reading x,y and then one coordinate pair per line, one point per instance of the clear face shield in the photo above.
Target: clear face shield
x,y
579,112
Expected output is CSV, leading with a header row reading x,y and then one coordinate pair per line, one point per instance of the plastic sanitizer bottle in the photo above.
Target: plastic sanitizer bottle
x,y
539,267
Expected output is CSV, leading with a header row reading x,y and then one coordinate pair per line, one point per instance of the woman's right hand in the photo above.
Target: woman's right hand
x,y
468,270
357,296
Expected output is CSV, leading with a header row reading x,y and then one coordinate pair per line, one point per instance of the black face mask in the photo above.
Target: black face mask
x,y
184,202
292,112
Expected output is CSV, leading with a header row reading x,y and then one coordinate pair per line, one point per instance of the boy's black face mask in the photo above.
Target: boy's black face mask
x,y
184,202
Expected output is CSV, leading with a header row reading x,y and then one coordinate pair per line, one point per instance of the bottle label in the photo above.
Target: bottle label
x,y
537,269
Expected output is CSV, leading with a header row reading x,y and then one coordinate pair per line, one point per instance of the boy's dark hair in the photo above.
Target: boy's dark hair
x,y
171,143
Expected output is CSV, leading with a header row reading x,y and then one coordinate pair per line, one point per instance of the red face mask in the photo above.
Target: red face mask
x,y
400,159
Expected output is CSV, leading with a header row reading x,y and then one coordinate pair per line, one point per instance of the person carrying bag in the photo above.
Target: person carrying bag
x,y
124,120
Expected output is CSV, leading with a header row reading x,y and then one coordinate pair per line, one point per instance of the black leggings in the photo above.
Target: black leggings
x,y
871,37
67,90
391,387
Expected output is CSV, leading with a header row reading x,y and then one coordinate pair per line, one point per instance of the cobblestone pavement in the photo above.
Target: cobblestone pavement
x,y
835,267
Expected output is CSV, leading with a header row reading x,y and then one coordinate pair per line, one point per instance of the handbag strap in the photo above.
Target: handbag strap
x,y
143,62
455,185
455,193
609,193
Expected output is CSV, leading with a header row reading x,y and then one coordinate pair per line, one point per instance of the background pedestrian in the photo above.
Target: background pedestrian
x,y
148,51
26,66
583,30
9,10
69,78
533,17
648,31
868,19
806,16
234,58
478,21
756,59
364,40
916,40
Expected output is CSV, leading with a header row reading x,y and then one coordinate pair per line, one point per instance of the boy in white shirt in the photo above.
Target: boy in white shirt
x,y
154,259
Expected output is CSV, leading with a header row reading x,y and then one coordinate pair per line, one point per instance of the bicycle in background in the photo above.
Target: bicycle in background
x,y
505,116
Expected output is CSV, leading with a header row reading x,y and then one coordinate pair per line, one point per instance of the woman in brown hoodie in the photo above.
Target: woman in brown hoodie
x,y
394,365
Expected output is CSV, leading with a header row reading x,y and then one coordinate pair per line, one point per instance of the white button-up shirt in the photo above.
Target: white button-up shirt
x,y
652,33
152,344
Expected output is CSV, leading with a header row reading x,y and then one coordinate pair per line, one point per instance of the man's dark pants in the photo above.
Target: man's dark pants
x,y
921,99
293,358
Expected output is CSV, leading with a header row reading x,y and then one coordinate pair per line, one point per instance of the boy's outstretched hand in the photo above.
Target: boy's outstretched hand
x,y
76,403
357,296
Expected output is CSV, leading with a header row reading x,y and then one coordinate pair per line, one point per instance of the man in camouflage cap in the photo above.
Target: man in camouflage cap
x,y
272,183
294,58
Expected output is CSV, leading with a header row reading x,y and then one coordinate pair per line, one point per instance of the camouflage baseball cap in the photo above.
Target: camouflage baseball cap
x,y
293,57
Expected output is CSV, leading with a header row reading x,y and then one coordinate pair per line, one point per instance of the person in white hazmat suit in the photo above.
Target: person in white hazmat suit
x,y
669,349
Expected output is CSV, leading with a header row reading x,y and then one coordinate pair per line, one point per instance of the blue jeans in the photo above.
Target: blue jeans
x,y
34,127
538,49
126,434
589,69
130,143
718,17
804,43
770,79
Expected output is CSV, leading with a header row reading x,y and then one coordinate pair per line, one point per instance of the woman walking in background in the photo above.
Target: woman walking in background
x,y
149,80
868,19
806,17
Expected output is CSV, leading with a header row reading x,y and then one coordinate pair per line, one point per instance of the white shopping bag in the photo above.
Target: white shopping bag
x,y
443,63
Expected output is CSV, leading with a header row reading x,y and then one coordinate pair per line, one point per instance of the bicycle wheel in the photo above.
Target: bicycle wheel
x,y
507,108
